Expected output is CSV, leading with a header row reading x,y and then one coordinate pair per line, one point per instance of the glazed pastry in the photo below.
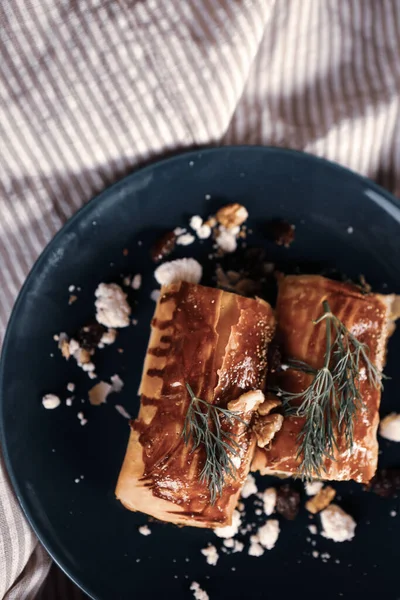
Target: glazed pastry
x,y
217,343
369,317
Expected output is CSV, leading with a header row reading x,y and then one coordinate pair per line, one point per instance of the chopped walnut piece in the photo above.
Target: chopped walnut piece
x,y
83,357
246,402
265,428
269,404
63,345
99,392
232,215
321,500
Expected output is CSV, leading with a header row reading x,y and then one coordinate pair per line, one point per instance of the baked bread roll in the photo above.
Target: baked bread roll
x,y
217,343
369,317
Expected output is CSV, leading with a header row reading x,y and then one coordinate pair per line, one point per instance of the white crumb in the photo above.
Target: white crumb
x,y
83,422
313,487
185,240
112,308
144,530
116,383
230,530
81,418
204,232
269,500
393,513
137,281
211,555
389,427
234,545
68,402
71,288
249,487
207,197
268,534
182,269
325,556
155,294
255,549
350,230
71,387
124,413
226,240
196,222
77,480
179,231
51,401
315,553
198,593
337,525
313,529
127,281
258,512
108,337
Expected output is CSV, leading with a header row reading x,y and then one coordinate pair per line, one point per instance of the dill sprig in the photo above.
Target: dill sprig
x,y
331,401
203,428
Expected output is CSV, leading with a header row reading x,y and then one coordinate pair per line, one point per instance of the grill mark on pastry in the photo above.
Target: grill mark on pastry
x,y
155,372
146,401
159,352
162,324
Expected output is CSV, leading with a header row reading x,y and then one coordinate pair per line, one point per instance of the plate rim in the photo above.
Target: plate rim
x,y
44,539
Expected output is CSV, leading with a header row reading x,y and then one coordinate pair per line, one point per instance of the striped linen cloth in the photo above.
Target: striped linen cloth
x,y
89,89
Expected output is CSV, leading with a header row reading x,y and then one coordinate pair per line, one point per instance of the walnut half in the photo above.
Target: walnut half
x,y
246,402
265,428
269,404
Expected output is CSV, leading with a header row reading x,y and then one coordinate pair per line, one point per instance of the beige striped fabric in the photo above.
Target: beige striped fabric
x,y
89,89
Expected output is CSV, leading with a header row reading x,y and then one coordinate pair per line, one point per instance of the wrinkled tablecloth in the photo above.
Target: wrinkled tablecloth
x,y
90,89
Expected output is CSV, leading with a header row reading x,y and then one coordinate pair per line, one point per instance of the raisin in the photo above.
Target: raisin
x,y
90,336
281,232
386,483
163,247
287,502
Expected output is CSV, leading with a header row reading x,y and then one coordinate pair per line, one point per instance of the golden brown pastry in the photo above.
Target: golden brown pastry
x,y
217,343
369,318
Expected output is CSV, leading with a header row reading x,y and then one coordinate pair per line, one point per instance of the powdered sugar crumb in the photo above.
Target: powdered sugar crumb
x,y
198,593
211,555
144,530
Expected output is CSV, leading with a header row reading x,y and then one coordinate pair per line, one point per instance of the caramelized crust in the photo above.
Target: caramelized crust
x,y
216,342
368,317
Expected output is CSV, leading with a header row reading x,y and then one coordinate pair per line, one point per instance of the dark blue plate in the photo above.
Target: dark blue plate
x,y
342,221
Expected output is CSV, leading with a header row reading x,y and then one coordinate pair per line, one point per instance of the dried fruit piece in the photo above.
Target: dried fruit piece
x,y
164,246
281,232
287,502
386,483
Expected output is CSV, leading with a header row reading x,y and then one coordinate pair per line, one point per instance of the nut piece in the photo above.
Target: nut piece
x,y
321,500
246,402
269,404
265,428
99,392
63,345
232,215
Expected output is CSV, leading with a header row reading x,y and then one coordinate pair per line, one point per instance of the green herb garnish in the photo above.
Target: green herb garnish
x,y
203,428
333,398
